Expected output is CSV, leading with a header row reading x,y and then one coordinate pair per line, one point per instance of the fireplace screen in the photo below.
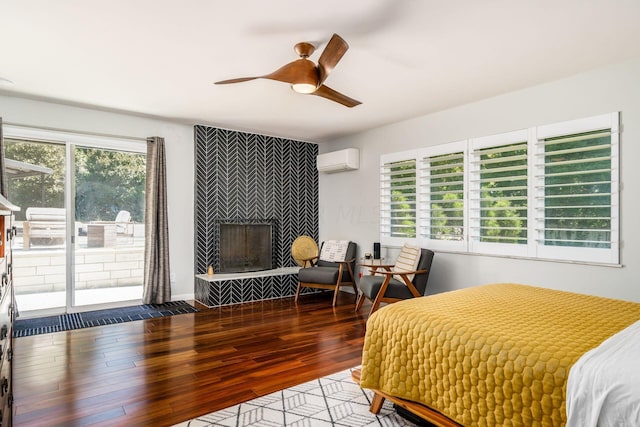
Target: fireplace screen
x,y
245,247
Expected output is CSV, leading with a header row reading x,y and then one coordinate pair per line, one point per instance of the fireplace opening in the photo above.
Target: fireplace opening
x,y
245,247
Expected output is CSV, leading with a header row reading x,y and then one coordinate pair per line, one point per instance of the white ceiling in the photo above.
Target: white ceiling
x,y
406,58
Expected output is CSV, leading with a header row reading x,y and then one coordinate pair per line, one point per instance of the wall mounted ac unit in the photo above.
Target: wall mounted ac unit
x,y
339,161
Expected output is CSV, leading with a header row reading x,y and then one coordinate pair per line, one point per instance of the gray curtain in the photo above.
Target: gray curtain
x,y
3,171
157,283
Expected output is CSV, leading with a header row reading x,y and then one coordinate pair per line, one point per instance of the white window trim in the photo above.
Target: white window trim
x,y
531,250
84,140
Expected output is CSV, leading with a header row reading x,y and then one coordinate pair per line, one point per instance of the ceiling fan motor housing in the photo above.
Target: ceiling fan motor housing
x,y
304,49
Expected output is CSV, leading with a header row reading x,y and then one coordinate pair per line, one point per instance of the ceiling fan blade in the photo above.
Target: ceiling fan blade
x,y
239,80
293,72
330,94
334,51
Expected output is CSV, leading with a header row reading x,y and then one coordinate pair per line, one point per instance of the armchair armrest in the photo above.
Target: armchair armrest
x,y
346,263
402,273
375,268
405,279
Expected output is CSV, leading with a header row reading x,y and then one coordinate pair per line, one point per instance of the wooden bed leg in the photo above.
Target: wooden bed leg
x,y
376,403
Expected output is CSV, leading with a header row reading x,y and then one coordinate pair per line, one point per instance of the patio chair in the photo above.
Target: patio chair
x,y
332,270
46,226
123,223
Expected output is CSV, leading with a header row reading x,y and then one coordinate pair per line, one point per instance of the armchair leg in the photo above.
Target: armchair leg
x,y
360,301
297,293
374,307
380,296
335,295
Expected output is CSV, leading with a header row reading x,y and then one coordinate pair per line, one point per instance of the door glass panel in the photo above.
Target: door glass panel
x,y
36,183
109,225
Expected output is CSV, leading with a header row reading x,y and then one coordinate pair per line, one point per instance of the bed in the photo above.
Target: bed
x,y
489,355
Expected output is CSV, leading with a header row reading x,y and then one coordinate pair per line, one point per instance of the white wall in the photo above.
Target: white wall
x,y
349,200
180,174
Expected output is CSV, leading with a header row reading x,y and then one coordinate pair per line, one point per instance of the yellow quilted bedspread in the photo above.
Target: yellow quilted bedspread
x,y
489,355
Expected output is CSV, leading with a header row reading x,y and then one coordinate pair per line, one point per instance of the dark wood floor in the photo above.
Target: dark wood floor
x,y
164,371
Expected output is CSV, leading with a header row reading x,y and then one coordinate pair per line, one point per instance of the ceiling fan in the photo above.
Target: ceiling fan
x,y
306,77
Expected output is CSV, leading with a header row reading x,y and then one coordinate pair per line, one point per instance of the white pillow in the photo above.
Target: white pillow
x,y
408,260
334,250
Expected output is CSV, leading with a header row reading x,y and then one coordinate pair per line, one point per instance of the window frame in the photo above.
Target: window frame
x,y
533,248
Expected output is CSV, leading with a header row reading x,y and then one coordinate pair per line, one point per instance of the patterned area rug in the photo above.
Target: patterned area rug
x,y
68,322
334,400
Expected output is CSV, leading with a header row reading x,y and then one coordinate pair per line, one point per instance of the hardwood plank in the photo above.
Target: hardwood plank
x,y
164,371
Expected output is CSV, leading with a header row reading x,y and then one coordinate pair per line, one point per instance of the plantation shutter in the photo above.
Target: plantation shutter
x,y
576,191
442,204
398,199
575,187
499,198
547,192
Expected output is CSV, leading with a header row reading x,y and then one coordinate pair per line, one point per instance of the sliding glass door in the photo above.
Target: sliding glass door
x,y
109,224
81,228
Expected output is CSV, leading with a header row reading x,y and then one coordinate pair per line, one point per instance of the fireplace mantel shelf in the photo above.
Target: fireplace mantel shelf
x,y
218,277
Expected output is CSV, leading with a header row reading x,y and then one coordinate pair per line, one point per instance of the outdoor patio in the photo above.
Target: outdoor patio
x,y
102,274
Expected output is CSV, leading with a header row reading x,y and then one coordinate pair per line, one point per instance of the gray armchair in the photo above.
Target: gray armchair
x,y
328,275
382,286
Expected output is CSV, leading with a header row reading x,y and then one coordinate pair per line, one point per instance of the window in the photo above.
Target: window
x,y
442,198
398,200
577,190
545,192
499,194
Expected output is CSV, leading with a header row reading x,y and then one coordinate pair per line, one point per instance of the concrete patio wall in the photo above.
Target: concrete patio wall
x,y
44,271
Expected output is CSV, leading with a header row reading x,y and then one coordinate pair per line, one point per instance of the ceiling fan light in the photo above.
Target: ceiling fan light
x,y
303,87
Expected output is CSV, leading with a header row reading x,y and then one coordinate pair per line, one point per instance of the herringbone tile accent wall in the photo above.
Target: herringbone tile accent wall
x,y
253,177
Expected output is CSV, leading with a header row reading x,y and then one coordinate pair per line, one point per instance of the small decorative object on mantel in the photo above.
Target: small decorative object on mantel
x,y
210,270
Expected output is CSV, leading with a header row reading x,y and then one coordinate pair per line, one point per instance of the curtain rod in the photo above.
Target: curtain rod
x,y
77,132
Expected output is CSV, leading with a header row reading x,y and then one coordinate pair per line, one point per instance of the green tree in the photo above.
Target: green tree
x,y
46,190
504,194
106,181
447,224
578,190
447,196
403,199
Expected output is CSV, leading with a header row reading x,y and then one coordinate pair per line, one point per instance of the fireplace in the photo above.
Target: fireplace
x,y
245,247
